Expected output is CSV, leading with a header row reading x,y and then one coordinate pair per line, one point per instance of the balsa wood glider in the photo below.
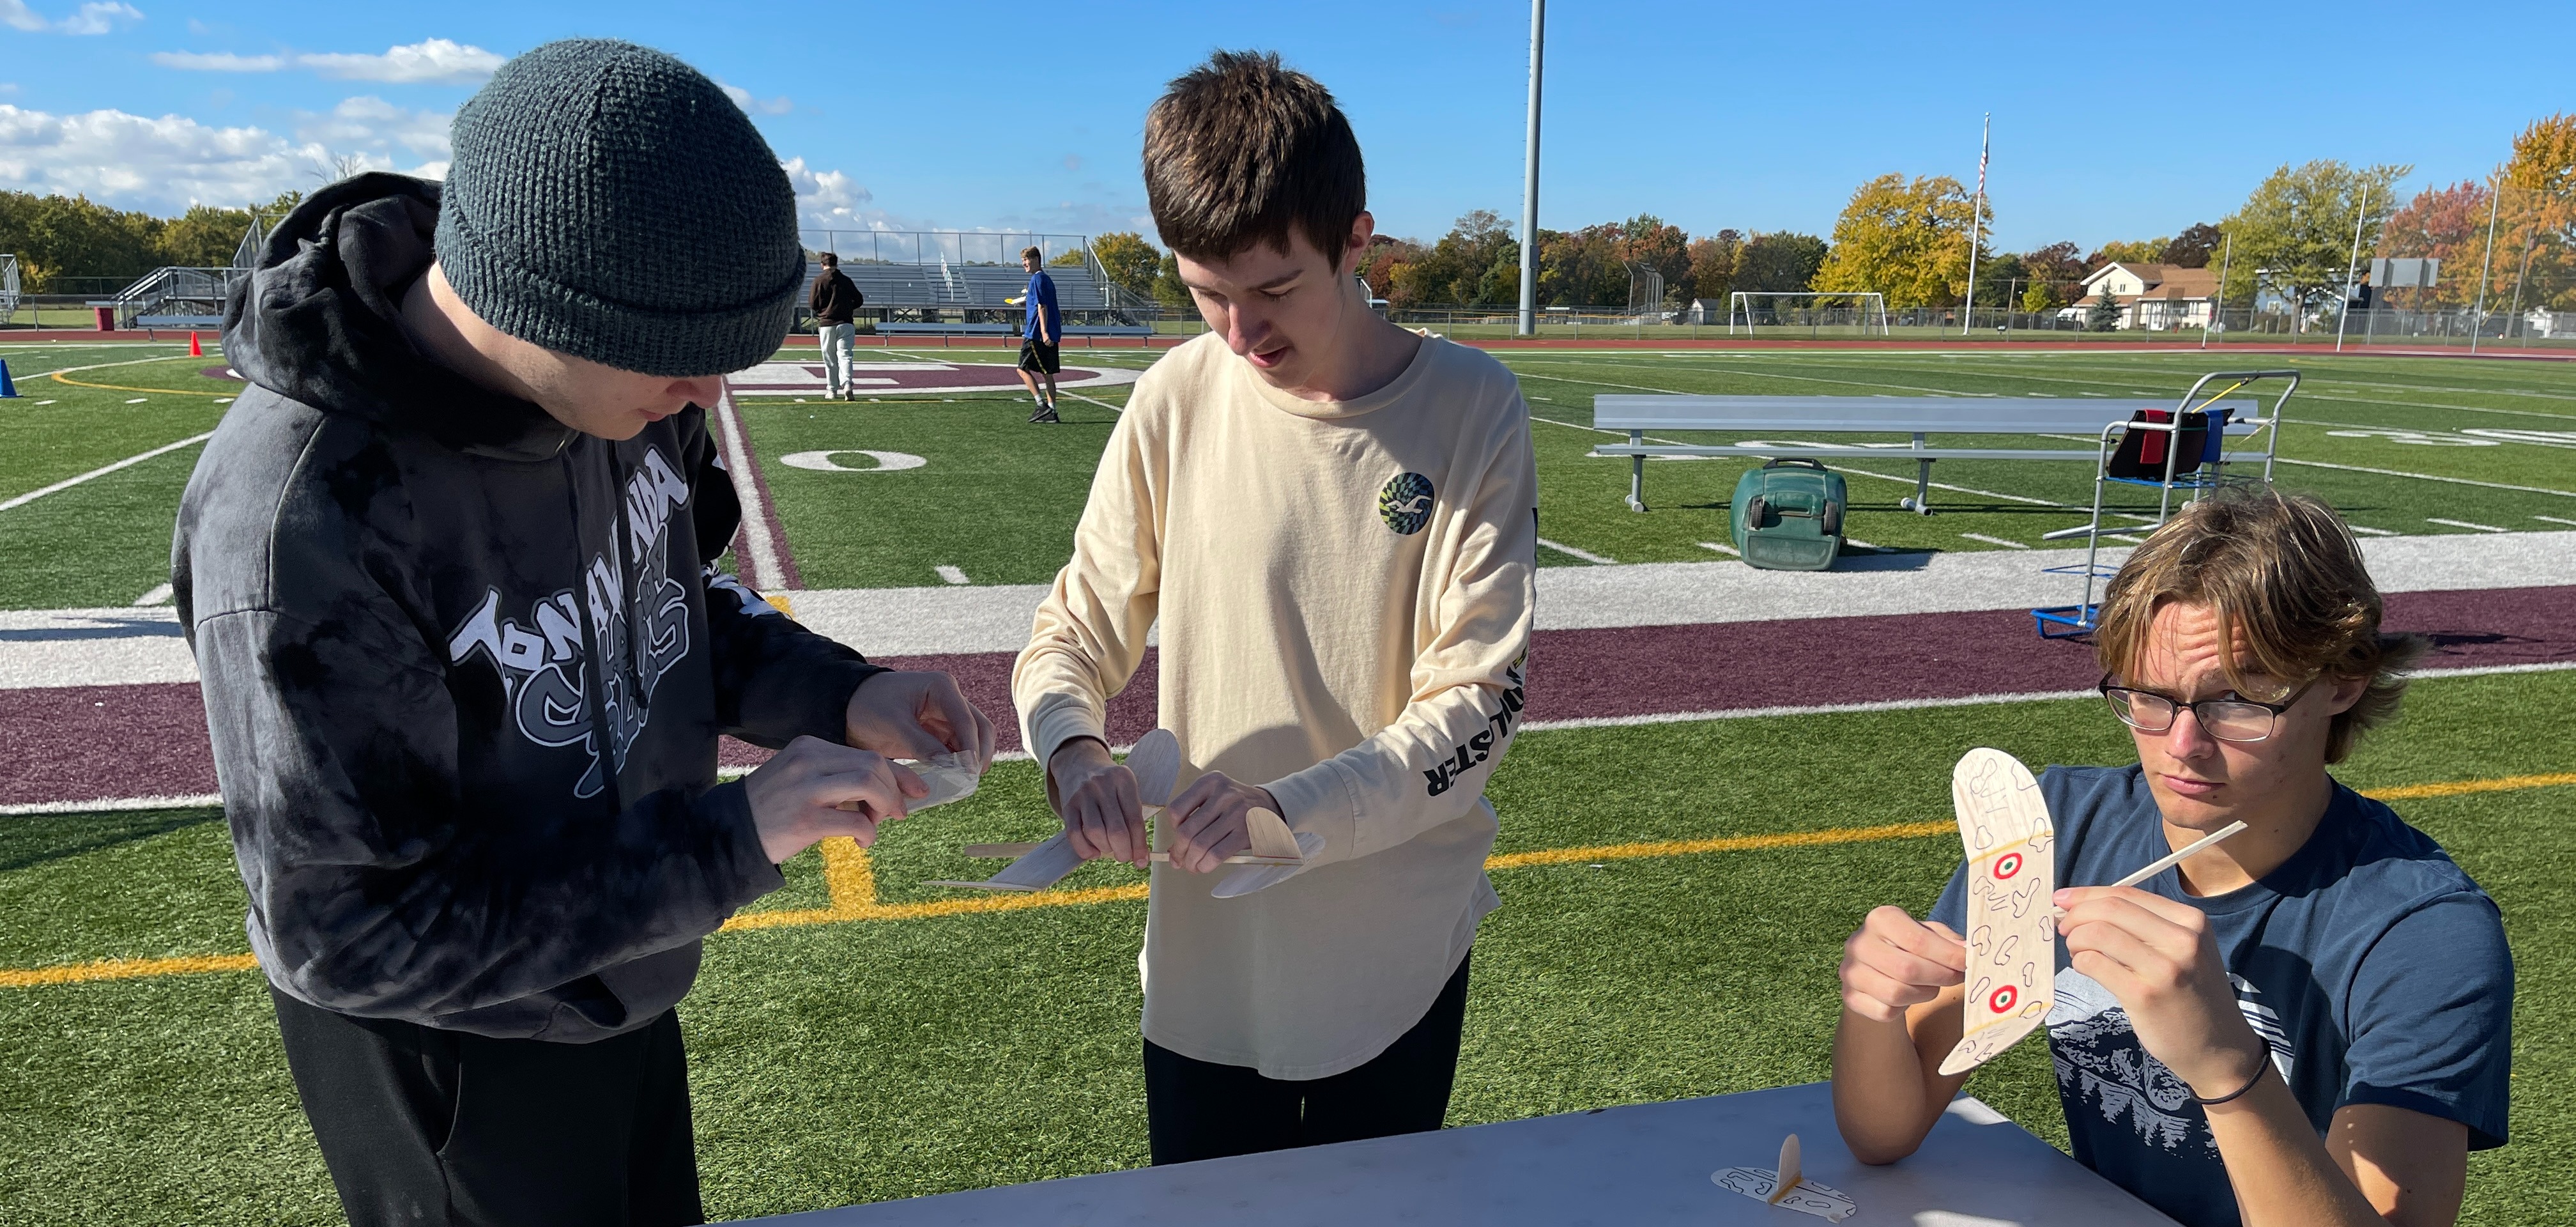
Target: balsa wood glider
x,y
1156,762
2012,927
951,777
1787,1187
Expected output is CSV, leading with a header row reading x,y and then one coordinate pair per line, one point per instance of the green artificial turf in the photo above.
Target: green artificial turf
x,y
107,541
865,1060
998,498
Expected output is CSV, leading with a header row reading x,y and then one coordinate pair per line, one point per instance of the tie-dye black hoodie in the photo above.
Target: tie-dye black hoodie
x,y
465,667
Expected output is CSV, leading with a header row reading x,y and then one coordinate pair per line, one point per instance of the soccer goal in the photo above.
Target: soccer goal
x,y
1865,308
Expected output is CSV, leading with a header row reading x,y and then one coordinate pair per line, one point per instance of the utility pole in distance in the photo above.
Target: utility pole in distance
x,y
1529,189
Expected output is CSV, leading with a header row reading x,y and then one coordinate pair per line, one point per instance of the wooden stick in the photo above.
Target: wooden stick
x,y
2180,855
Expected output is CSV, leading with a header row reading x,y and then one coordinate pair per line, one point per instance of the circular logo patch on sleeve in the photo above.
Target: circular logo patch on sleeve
x,y
1405,502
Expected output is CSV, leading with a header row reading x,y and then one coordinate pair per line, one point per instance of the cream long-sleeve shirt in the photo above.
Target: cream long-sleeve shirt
x,y
1344,592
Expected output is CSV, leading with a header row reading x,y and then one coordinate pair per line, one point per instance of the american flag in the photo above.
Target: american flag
x,y
1984,138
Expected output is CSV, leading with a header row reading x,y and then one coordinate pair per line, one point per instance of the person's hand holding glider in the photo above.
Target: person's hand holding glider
x,y
795,796
1207,820
1893,962
1097,797
918,715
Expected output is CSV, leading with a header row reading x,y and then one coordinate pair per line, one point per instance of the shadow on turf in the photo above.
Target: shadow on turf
x,y
36,839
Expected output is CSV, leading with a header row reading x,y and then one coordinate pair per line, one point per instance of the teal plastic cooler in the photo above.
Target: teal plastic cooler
x,y
1788,516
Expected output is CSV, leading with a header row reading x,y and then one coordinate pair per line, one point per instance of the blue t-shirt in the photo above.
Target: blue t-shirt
x,y
2372,965
1042,298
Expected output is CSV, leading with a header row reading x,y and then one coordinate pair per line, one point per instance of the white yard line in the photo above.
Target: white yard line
x,y
759,551
2314,380
1585,555
2382,532
1087,400
159,595
949,574
69,482
2457,481
2484,528
2450,437
2556,520
1723,549
1900,480
1995,541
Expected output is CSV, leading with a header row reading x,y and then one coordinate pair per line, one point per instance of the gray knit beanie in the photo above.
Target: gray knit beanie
x,y
608,201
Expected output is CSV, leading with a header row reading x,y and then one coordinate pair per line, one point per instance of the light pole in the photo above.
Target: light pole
x,y
1529,186
2478,314
2352,266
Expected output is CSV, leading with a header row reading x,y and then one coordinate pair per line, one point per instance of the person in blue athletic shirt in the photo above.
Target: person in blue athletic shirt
x,y
1038,343
2308,1023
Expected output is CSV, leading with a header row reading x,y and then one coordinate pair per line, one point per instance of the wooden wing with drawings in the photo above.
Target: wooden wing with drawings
x,y
2011,926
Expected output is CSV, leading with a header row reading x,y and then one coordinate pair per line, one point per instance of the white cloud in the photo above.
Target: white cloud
x,y
742,98
370,127
164,165
218,61
436,61
829,199
96,17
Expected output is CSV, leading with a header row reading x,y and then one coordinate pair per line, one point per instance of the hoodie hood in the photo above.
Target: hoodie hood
x,y
318,322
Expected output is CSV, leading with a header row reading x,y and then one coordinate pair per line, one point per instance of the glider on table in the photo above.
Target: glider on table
x,y
1276,853
1786,1187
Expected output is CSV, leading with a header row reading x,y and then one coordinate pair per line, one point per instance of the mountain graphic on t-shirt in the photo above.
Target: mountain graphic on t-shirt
x,y
2100,1061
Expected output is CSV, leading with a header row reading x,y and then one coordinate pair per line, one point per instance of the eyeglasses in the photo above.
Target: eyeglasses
x,y
2224,719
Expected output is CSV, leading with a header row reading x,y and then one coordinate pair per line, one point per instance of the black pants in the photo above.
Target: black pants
x,y
1201,1110
430,1128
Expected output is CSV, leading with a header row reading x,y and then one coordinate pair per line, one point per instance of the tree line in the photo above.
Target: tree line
x,y
1909,240
60,237
1906,239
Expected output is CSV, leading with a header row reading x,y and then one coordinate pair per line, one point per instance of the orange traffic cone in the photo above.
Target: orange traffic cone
x,y
194,349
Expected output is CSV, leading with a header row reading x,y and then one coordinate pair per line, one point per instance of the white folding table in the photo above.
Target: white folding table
x,y
1633,1166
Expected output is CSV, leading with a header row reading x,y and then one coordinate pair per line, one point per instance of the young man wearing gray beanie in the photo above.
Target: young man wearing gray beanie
x,y
448,573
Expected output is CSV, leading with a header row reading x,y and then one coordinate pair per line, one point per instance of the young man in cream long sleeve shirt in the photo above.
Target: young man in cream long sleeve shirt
x,y
1334,521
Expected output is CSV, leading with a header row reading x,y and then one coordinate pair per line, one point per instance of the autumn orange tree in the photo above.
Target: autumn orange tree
x,y
2529,204
1906,241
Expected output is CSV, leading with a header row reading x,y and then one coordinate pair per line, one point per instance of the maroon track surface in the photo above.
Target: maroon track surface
x,y
106,742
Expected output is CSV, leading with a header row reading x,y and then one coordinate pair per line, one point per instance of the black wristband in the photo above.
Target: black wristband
x,y
2239,1092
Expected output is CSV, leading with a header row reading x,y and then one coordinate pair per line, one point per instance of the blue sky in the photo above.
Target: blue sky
x,y
2109,124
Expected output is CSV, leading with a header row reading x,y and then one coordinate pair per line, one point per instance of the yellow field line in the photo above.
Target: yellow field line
x,y
850,878
2454,788
123,969
1730,843
118,387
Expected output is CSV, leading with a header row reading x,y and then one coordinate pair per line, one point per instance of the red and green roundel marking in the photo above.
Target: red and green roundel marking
x,y
2003,1000
2007,865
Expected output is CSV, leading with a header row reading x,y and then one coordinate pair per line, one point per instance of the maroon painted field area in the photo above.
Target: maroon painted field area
x,y
113,742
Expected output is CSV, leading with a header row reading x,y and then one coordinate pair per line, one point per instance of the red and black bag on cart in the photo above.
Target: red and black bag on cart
x,y
2141,454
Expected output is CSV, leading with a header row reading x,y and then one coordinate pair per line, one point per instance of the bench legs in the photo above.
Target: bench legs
x,y
1921,503
1636,476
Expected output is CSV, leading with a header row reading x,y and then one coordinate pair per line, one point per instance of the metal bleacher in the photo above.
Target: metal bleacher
x,y
962,283
175,297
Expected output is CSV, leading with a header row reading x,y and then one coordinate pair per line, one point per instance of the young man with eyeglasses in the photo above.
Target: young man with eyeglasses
x,y
2308,1023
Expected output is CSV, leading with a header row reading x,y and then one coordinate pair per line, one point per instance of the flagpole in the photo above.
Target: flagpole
x,y
1976,219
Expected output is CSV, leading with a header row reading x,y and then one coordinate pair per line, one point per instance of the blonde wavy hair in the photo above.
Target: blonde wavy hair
x,y
2285,579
